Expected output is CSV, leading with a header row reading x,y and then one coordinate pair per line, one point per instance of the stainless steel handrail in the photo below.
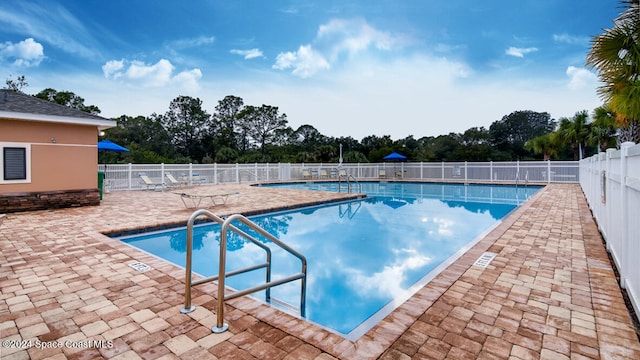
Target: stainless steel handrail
x,y
356,181
222,274
348,177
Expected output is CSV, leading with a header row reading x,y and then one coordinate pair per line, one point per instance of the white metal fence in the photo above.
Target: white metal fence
x,y
126,176
611,183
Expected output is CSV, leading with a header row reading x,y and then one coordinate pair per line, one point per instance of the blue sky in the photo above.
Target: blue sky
x,y
347,67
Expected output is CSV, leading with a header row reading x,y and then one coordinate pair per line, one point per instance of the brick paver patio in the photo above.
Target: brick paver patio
x,y
67,291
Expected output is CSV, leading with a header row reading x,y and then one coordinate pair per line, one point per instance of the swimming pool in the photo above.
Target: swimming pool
x,y
365,257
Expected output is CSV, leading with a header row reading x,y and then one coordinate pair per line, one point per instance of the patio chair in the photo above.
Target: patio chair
x,y
148,183
197,179
194,201
382,173
306,174
324,174
173,182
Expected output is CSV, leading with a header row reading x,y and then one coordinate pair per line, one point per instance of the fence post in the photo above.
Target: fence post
x,y
130,176
162,173
624,271
465,172
548,171
238,173
490,171
442,170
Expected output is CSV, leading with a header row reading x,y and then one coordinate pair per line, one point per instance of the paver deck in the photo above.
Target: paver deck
x,y
67,291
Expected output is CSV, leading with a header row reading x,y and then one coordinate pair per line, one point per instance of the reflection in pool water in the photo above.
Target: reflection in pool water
x,y
362,255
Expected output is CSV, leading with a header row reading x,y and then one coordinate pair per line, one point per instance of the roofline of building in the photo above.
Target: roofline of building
x,y
101,124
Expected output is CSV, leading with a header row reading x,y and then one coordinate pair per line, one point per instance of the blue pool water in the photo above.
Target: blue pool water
x,y
365,257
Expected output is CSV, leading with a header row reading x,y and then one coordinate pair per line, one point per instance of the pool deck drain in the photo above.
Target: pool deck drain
x,y
484,260
142,267
550,291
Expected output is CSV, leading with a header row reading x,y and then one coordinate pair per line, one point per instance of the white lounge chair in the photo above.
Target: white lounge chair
x,y
173,182
194,200
148,183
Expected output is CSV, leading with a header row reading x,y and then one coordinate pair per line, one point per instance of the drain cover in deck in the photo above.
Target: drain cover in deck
x,y
485,259
142,267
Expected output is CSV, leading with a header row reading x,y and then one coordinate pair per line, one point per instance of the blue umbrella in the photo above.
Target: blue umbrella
x,y
395,156
108,145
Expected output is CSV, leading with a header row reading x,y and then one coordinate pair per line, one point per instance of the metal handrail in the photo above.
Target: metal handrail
x,y
348,177
222,274
526,178
356,181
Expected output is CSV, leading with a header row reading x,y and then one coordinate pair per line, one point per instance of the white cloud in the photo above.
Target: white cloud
x,y
580,78
194,42
188,80
156,75
26,53
248,54
520,52
337,37
570,39
111,68
353,36
305,62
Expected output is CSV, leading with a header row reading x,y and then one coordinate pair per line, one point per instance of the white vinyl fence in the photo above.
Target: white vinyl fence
x,y
611,183
126,176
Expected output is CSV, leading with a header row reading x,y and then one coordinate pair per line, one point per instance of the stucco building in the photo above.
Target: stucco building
x,y
48,154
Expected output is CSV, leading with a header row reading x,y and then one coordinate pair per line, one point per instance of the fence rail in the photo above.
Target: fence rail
x,y
611,183
125,176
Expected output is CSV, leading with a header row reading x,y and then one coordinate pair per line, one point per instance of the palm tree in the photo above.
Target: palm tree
x,y
548,145
603,128
575,132
615,54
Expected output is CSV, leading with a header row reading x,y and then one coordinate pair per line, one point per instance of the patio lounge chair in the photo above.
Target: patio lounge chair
x,y
148,183
194,201
173,182
197,179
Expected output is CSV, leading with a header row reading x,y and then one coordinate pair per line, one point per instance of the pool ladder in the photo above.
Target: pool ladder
x,y
349,179
526,178
223,274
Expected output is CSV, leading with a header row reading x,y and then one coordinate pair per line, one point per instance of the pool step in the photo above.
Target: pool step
x,y
285,306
